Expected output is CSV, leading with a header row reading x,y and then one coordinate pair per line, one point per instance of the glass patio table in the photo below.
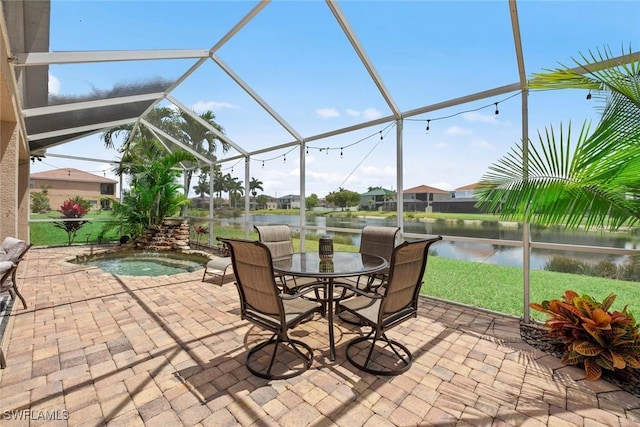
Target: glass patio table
x,y
343,264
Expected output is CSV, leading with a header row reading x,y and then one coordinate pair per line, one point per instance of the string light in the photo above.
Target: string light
x,y
494,104
589,95
284,158
340,152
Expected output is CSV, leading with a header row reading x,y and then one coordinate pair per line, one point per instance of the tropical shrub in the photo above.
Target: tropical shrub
x,y
628,271
154,192
40,200
593,337
72,209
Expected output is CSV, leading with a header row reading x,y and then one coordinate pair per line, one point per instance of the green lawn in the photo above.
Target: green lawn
x,y
494,287
45,234
489,286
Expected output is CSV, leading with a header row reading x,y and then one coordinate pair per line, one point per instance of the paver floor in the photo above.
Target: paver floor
x,y
96,349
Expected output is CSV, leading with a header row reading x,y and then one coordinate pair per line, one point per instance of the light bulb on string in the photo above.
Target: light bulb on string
x,y
589,95
340,152
381,136
428,121
263,164
284,158
327,150
497,111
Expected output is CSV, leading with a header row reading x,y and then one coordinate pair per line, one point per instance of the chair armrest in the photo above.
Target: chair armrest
x,y
302,290
362,292
6,266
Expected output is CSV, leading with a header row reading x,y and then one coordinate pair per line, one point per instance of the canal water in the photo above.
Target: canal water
x,y
479,252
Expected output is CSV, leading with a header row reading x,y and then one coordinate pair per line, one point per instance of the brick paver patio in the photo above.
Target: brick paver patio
x,y
97,349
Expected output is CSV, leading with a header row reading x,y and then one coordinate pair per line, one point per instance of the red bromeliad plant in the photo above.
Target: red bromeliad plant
x,y
72,209
594,337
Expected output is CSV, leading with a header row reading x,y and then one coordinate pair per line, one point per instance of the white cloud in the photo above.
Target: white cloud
x,y
327,113
443,185
367,113
441,144
371,114
374,171
491,118
54,85
456,130
482,144
202,106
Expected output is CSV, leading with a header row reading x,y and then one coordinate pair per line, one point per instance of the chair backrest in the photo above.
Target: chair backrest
x,y
253,268
408,263
13,249
380,241
277,237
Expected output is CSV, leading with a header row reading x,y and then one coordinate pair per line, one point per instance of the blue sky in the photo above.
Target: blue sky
x,y
295,56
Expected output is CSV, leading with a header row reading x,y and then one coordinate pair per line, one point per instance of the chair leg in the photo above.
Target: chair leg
x,y
354,355
24,302
277,368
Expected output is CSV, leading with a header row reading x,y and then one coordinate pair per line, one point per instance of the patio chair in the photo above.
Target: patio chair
x,y
262,303
217,267
380,241
277,237
12,251
397,302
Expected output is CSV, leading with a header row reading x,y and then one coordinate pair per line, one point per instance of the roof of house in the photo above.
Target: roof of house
x,y
468,187
421,189
71,174
377,192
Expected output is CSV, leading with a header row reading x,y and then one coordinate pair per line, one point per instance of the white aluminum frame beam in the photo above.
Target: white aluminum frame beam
x,y
257,98
526,235
362,54
83,105
199,119
82,57
81,129
175,141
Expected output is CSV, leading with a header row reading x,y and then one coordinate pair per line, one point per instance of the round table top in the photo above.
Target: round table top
x,y
343,264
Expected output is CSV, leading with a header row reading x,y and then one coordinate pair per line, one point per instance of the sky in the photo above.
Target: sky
x,y
297,59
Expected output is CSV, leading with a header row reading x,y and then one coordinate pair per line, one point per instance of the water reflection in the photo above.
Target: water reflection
x,y
479,252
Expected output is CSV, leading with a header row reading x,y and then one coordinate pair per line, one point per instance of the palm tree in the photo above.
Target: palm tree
x,y
254,186
154,192
593,181
181,126
200,138
236,189
163,117
202,188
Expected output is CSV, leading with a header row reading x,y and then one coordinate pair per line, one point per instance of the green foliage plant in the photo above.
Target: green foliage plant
x,y
585,179
154,192
72,209
594,337
40,200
